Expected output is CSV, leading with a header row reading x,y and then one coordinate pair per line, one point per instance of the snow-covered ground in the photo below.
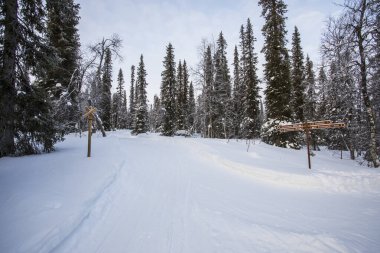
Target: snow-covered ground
x,y
149,193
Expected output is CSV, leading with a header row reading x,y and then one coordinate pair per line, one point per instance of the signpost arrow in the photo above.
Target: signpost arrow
x,y
307,127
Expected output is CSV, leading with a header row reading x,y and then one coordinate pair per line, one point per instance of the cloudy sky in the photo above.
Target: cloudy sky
x,y
147,26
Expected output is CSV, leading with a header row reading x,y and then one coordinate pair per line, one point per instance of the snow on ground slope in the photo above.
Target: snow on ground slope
x,y
149,193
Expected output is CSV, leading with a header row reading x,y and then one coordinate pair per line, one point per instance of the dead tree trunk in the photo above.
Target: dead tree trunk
x,y
99,123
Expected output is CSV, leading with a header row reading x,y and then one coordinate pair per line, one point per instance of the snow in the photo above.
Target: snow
x,y
149,193
182,133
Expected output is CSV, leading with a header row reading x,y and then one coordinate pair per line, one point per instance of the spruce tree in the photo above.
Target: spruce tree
x,y
168,85
222,91
208,95
141,118
10,10
120,101
185,93
237,96
310,108
322,92
276,74
132,100
124,111
156,114
26,124
182,84
180,100
191,109
120,84
105,103
297,77
62,33
63,39
311,96
251,112
115,117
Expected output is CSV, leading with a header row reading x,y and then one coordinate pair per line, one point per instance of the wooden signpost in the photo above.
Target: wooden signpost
x,y
307,127
90,110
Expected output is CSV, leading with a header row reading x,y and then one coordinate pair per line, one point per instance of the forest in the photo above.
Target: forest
x,y
47,78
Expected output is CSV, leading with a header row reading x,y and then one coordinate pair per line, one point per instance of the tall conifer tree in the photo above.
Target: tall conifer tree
x,y
63,39
237,96
276,74
141,125
10,10
120,112
311,96
310,108
180,100
185,93
208,95
26,124
124,111
222,91
132,100
191,109
168,85
297,78
322,92
251,111
156,114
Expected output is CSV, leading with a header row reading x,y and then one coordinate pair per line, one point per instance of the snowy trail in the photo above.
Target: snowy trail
x,y
190,205
156,194
147,197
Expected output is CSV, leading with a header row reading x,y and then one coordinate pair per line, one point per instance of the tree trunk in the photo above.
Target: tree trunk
x,y
370,113
100,124
8,79
364,90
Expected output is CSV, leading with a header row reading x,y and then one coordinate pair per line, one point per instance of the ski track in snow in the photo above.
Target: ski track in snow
x,y
202,200
95,208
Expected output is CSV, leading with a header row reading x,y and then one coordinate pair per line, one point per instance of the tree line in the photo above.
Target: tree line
x,y
47,80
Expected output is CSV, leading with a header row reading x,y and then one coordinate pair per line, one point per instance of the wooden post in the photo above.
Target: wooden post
x,y
307,132
90,110
89,136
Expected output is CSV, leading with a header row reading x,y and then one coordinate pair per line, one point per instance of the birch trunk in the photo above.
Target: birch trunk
x,y
363,85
